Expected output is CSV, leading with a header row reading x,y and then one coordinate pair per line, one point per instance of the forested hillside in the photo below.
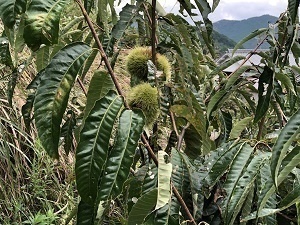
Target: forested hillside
x,y
238,29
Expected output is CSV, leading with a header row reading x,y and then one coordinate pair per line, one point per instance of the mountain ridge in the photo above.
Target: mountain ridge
x,y
238,29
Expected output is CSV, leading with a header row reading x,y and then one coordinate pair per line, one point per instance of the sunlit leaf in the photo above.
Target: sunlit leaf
x,y
5,57
53,92
10,9
239,127
164,177
42,22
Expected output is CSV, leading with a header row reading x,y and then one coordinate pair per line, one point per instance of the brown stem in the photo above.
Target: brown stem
x,y
280,115
286,217
248,57
100,47
150,20
118,87
82,86
174,124
153,32
180,137
182,203
243,62
260,128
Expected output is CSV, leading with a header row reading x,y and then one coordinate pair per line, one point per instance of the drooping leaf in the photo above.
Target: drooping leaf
x,y
268,188
293,6
12,85
196,119
263,213
10,9
121,157
135,185
265,88
289,162
151,73
142,207
89,62
53,92
221,164
283,143
42,57
214,102
92,149
227,124
88,5
215,4
246,210
239,163
103,15
193,142
249,37
234,76
67,131
195,179
27,110
290,199
164,177
243,187
160,217
150,180
271,203
239,127
284,78
85,214
126,16
226,64
42,22
180,179
5,57
100,85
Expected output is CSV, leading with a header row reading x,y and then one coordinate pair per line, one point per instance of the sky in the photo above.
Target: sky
x,y
237,9
234,9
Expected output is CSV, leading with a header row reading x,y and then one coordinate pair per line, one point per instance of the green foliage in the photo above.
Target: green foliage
x,y
145,97
10,10
42,22
93,146
52,93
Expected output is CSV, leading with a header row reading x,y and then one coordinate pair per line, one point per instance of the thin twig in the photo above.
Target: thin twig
x,y
286,217
174,124
153,33
82,86
118,87
180,137
260,128
102,52
150,20
182,203
248,56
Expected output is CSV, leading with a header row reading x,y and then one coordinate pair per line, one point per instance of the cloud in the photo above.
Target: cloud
x,y
238,10
233,9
